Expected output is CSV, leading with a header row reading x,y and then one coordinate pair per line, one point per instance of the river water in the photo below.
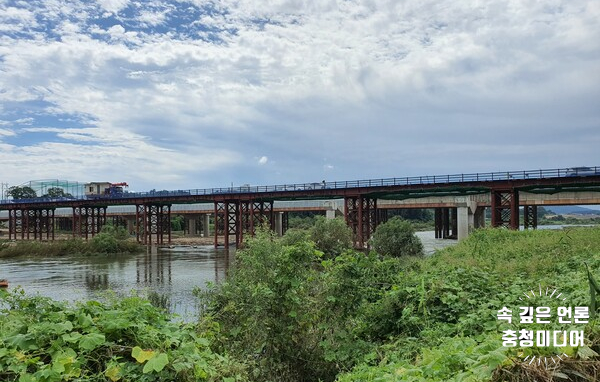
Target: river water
x,y
170,274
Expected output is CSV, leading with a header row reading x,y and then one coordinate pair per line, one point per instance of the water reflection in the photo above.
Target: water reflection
x,y
167,276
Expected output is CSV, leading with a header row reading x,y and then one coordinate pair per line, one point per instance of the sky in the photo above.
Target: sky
x,y
194,94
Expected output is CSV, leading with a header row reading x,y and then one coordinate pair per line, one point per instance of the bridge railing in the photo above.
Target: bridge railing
x,y
383,182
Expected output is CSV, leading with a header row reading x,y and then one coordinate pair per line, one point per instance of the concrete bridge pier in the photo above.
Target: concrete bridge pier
x,y
205,225
131,225
279,223
191,225
466,218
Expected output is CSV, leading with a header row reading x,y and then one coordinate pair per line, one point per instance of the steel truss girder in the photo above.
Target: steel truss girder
x,y
88,221
31,223
530,217
153,220
361,216
505,208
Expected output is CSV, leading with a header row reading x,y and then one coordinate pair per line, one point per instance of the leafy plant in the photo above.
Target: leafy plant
x,y
396,237
123,340
332,236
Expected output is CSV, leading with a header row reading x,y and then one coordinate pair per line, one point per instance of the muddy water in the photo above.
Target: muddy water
x,y
168,274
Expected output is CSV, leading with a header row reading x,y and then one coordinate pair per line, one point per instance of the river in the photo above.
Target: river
x,y
170,274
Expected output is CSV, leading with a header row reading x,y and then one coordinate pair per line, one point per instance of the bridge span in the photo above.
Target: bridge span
x,y
459,201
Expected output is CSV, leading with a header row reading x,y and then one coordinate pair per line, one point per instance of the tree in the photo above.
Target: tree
x,y
332,236
21,192
397,238
56,192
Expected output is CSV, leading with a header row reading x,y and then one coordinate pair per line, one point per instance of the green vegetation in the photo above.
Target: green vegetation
x,y
122,340
24,192
289,311
109,240
396,238
56,192
289,315
332,236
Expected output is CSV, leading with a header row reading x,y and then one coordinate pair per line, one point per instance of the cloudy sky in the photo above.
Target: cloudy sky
x,y
185,94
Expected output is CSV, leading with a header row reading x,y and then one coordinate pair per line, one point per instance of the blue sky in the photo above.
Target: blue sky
x,y
193,94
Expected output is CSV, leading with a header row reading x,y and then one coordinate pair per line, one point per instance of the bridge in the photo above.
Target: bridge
x,y
459,201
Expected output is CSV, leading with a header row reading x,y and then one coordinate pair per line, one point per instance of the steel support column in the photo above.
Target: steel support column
x,y
285,222
31,224
88,221
361,216
254,214
227,222
505,208
453,223
153,221
446,223
119,221
15,224
530,217
439,227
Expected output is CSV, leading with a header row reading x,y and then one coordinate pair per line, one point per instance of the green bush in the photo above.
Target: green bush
x,y
104,243
294,236
332,236
121,340
396,238
265,308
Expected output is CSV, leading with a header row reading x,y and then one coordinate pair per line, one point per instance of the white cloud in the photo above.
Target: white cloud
x,y
113,6
6,133
366,82
263,160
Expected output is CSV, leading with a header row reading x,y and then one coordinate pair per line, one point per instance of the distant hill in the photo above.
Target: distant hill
x,y
568,210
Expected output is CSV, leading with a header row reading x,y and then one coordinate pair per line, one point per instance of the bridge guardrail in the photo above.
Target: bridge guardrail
x,y
383,182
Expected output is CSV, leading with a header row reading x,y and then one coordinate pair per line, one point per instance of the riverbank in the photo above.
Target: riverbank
x,y
285,314
110,240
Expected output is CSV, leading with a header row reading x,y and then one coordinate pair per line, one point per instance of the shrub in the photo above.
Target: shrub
x,y
294,236
104,243
123,340
265,308
332,236
397,238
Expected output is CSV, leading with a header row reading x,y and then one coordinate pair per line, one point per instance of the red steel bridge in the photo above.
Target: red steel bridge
x,y
238,210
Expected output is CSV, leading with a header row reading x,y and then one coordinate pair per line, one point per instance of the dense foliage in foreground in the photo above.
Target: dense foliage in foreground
x,y
289,312
291,316
122,340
